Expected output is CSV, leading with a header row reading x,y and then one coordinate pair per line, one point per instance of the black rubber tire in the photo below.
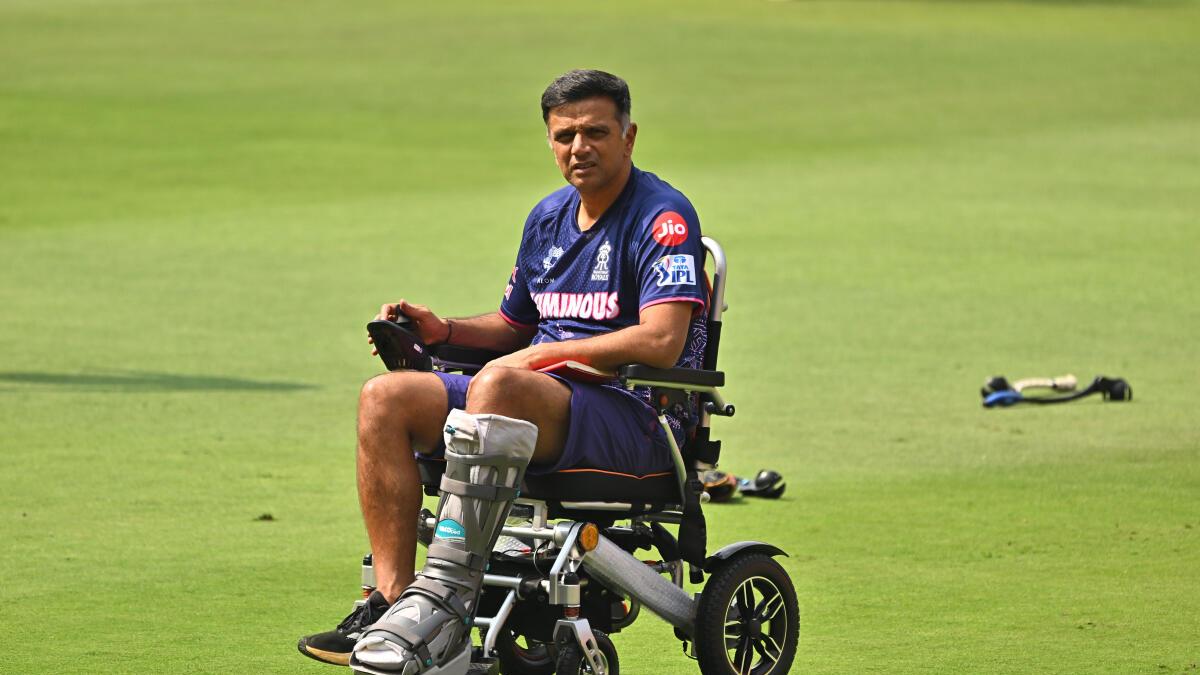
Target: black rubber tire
x,y
753,597
533,658
572,662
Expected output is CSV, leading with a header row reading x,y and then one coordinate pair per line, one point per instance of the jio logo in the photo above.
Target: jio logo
x,y
670,229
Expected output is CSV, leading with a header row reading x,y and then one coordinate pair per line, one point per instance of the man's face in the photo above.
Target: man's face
x,y
588,144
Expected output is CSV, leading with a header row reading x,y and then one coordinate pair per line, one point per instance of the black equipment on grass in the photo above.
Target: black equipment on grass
x,y
997,392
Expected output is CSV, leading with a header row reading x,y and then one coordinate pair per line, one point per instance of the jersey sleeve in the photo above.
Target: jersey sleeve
x,y
517,306
670,257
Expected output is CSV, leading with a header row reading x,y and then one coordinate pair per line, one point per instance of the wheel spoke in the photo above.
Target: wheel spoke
x,y
771,648
747,660
733,637
740,655
733,629
745,599
758,647
769,607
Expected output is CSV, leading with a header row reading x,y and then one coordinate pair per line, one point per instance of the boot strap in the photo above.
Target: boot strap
x,y
467,559
492,493
409,640
443,595
497,460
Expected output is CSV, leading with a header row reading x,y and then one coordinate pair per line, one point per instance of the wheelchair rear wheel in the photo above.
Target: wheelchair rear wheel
x,y
571,660
747,622
520,655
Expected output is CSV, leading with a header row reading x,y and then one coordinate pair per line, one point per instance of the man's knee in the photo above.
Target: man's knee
x,y
414,400
506,391
385,390
527,395
491,383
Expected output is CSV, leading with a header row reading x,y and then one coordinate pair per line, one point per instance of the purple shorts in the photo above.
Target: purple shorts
x,y
611,430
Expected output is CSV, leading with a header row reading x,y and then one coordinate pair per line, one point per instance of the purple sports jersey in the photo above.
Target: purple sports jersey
x,y
643,251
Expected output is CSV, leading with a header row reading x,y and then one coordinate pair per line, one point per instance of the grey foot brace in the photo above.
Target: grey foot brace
x,y
428,630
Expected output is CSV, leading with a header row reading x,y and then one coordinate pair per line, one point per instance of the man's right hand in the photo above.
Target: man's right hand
x,y
431,328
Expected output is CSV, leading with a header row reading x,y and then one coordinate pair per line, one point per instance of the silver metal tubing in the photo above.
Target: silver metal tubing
x,y
539,510
528,532
669,517
617,569
716,307
718,281
496,624
677,577
565,553
681,471
579,629
501,581
717,399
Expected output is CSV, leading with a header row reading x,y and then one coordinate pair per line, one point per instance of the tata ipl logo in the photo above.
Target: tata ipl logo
x,y
676,270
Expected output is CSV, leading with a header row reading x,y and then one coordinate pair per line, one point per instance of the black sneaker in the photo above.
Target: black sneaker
x,y
334,646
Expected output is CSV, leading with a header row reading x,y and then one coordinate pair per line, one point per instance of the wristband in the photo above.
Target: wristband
x,y
449,331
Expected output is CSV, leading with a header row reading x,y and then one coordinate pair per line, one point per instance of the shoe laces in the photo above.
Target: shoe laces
x,y
361,616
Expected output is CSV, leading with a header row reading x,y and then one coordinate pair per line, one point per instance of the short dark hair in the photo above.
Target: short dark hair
x,y
578,85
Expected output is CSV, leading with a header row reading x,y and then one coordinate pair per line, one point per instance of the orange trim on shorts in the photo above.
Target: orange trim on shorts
x,y
618,473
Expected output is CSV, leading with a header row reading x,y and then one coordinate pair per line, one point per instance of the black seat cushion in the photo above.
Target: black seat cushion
x,y
594,485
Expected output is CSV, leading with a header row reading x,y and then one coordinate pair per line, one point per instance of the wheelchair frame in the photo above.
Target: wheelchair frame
x,y
593,568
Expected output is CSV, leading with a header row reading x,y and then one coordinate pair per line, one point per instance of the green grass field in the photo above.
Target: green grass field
x,y
201,203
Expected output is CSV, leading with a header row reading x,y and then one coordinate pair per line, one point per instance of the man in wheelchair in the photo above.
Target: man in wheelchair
x,y
609,272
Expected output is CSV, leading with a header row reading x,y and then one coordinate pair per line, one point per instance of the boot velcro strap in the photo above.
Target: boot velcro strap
x,y
497,460
445,596
493,493
407,639
465,558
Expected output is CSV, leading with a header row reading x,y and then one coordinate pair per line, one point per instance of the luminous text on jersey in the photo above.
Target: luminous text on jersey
x,y
596,306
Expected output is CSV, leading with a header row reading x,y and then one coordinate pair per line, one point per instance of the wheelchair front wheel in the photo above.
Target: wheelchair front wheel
x,y
571,660
747,621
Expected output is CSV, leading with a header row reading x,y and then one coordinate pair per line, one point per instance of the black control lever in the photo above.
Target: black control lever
x,y
398,346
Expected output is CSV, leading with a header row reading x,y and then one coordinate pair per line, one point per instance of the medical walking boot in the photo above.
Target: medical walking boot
x,y
427,631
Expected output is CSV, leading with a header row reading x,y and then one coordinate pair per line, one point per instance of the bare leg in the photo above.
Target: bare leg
x,y
398,412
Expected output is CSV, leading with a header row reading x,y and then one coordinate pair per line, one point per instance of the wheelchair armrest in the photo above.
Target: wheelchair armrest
x,y
670,378
465,359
